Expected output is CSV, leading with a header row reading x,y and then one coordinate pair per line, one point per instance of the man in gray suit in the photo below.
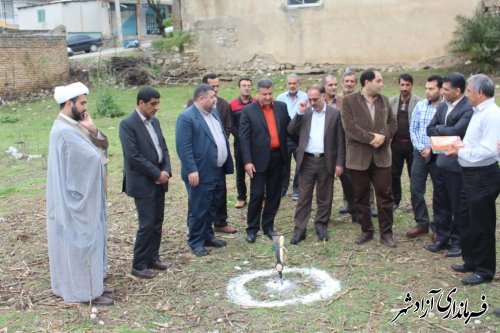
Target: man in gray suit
x,y
369,125
320,157
402,150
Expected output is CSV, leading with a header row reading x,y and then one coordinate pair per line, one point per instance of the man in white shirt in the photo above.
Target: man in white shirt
x,y
478,159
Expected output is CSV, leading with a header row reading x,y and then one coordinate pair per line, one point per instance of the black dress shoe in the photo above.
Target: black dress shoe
x,y
200,251
373,212
364,237
270,234
251,238
461,268
108,290
160,265
454,251
344,210
297,238
214,242
437,246
143,274
475,279
323,236
388,240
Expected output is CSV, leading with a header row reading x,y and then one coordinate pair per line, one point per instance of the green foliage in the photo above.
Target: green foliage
x,y
106,106
177,41
478,37
168,22
8,119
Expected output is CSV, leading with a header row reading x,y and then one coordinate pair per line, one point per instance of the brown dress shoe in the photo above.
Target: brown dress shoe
x,y
417,231
160,265
387,240
226,229
364,237
102,300
143,274
240,204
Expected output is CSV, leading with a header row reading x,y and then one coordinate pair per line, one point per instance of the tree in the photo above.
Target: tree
x,y
160,15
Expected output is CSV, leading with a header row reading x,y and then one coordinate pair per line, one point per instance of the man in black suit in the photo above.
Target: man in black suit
x,y
451,119
320,158
263,143
146,174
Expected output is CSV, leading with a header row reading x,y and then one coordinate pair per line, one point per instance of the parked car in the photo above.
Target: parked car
x,y
70,51
84,43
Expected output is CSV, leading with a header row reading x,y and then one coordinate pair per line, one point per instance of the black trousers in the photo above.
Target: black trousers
x,y
347,189
477,218
266,185
447,188
287,169
241,186
400,153
150,213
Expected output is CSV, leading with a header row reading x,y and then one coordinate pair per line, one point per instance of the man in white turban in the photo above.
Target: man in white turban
x,y
76,201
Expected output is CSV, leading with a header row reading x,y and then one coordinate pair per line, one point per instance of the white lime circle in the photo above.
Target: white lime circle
x,y
326,287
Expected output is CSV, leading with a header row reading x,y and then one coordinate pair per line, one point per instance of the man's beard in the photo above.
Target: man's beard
x,y
76,115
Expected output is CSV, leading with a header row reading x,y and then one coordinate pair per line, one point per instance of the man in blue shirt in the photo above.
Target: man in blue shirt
x,y
292,98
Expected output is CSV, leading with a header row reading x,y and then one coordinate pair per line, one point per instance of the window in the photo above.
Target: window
x,y
41,15
303,3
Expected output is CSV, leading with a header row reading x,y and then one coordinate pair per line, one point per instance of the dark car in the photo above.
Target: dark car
x,y
84,43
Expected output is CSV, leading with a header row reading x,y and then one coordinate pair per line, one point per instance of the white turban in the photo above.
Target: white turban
x,y
65,93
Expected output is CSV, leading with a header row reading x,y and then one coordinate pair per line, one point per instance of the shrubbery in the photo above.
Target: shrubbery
x,y
478,37
106,106
173,42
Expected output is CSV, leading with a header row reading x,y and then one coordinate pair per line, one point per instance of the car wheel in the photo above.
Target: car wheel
x,y
93,48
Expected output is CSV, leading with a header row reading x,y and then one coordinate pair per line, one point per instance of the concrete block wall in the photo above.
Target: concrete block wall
x,y
31,62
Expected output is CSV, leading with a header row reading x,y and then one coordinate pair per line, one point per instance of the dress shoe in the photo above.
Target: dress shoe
x,y
323,236
387,240
474,279
251,238
297,238
364,237
344,210
417,231
102,300
200,251
454,251
270,234
461,268
437,246
227,229
160,265
143,274
214,242
240,204
108,290
496,312
434,236
373,212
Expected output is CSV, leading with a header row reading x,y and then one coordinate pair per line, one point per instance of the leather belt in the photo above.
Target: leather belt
x,y
403,141
317,155
479,168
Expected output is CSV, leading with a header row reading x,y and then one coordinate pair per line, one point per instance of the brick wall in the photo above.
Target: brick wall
x,y
31,62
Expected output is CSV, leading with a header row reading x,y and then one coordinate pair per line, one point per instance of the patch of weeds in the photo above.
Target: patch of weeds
x,y
177,42
8,119
106,105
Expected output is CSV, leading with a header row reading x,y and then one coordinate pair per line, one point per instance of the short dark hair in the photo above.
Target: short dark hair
x,y
317,87
406,77
480,83
265,83
146,94
244,79
208,76
201,90
437,78
456,80
367,75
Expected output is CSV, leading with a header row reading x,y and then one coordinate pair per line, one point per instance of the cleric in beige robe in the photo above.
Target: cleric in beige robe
x,y
76,201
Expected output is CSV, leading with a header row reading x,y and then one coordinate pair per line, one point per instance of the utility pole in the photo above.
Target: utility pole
x,y
118,17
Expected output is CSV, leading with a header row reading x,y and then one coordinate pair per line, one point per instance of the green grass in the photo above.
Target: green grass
x,y
191,297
